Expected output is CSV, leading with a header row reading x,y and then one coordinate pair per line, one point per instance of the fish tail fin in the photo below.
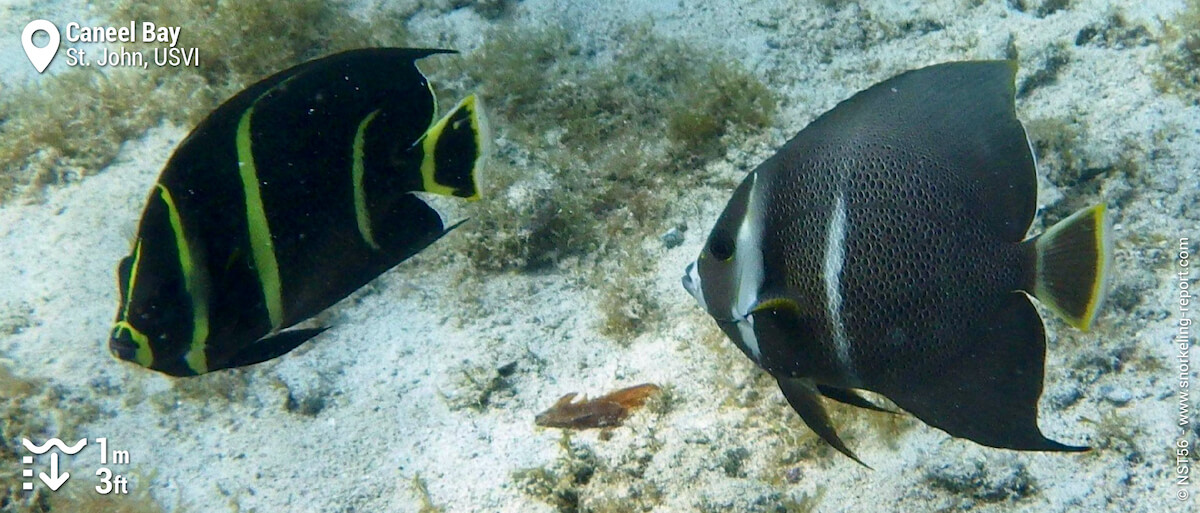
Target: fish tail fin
x,y
453,150
1071,264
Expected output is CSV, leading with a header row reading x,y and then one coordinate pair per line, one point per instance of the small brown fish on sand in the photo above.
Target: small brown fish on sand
x,y
608,410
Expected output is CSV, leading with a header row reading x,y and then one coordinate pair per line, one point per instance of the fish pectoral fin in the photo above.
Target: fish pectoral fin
x,y
783,333
848,396
270,347
776,304
452,151
804,397
988,393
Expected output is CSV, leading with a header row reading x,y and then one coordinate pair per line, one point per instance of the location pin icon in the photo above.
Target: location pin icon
x,y
40,57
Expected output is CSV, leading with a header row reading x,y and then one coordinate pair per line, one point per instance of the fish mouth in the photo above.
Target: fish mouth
x,y
691,283
121,344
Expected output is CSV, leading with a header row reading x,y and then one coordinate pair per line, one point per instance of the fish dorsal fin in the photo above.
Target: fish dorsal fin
x,y
568,398
955,125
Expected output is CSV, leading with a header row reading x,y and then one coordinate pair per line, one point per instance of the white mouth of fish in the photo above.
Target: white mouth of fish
x,y
748,274
740,316
691,283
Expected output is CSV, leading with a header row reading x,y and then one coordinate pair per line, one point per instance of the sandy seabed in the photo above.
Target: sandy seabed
x,y
351,419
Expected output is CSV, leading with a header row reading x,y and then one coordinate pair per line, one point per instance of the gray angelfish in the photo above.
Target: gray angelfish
x,y
883,248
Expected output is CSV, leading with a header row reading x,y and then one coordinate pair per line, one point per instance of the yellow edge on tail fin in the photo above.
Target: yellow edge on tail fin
x,y
483,141
1102,231
1104,238
429,142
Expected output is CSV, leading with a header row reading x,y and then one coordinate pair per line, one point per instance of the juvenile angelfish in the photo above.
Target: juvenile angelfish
x,y
883,248
288,197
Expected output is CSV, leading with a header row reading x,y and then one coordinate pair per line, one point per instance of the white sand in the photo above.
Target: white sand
x,y
390,372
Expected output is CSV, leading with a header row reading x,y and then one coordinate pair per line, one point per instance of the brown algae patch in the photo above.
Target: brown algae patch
x,y
589,153
609,410
1179,54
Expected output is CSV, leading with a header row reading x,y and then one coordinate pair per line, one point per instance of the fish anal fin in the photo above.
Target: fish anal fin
x,y
804,397
851,397
988,393
271,347
452,151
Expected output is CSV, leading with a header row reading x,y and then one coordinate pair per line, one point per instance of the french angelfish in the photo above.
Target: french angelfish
x,y
291,195
883,248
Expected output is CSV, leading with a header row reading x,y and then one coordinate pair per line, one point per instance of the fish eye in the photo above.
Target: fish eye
x,y
721,246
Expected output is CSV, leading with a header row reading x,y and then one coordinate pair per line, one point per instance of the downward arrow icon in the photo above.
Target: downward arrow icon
x,y
54,480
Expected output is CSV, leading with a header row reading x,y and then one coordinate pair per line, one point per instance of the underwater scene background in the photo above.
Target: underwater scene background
x,y
619,130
